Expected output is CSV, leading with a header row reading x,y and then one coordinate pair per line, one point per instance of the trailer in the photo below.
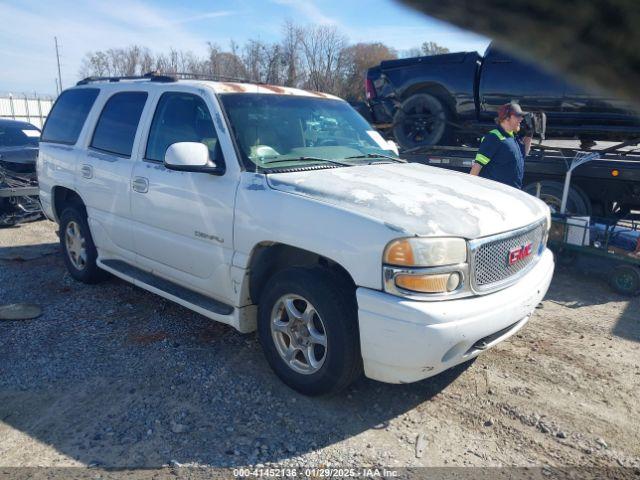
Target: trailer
x,y
19,200
608,186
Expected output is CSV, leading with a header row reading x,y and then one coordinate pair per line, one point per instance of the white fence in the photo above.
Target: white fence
x,y
27,108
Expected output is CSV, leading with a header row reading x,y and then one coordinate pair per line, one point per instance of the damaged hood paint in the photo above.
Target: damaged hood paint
x,y
417,199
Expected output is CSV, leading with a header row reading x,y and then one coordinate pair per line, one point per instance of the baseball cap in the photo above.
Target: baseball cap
x,y
508,109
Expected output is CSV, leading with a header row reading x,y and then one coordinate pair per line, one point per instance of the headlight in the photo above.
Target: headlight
x,y
426,252
426,268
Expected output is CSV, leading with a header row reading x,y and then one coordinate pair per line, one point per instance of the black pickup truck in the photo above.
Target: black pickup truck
x,y
451,99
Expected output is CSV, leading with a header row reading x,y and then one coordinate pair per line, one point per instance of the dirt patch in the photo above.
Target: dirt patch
x,y
112,375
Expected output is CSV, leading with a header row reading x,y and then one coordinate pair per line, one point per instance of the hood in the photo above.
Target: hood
x,y
417,199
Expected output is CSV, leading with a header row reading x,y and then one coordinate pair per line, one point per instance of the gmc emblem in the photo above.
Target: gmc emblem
x,y
520,253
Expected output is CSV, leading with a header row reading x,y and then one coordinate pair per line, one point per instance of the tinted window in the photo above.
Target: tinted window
x,y
68,115
118,122
181,117
19,137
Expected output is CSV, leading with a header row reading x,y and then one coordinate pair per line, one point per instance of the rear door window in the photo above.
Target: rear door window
x,y
118,123
68,115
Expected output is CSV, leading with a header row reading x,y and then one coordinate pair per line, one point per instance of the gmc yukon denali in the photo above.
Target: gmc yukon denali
x,y
453,98
281,210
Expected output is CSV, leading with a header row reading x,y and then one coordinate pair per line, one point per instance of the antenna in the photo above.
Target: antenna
x,y
55,39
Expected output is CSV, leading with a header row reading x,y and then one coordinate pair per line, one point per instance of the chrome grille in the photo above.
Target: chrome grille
x,y
490,256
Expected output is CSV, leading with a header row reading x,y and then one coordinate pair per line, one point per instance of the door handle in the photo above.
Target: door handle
x,y
140,185
86,171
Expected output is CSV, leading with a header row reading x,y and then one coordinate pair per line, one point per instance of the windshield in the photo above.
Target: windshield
x,y
283,131
19,136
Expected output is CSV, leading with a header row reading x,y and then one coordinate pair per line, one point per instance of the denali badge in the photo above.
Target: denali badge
x,y
208,237
519,253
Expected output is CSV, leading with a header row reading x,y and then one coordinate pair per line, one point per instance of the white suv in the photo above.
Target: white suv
x,y
283,210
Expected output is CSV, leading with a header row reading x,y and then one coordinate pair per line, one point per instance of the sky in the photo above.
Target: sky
x,y
27,50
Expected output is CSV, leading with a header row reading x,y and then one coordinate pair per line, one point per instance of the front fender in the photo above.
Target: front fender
x,y
354,241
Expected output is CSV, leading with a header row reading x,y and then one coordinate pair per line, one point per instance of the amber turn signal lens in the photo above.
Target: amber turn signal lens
x,y
399,253
440,283
615,172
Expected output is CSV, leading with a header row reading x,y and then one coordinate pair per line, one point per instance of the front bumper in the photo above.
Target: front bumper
x,y
404,341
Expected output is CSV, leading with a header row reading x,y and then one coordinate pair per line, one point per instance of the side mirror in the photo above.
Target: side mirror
x,y
190,157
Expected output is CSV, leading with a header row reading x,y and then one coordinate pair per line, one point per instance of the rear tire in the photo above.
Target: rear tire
x,y
79,251
422,120
300,309
551,193
625,279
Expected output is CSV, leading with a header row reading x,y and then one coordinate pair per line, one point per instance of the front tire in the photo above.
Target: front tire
x,y
79,251
307,325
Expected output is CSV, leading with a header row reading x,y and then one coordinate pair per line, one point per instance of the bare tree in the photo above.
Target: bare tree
x,y
432,48
146,61
290,57
317,57
253,59
322,47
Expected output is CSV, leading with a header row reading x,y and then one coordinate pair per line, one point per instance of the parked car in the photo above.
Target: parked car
x,y
453,98
282,210
18,146
18,185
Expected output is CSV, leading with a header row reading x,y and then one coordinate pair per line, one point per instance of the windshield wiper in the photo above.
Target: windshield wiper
x,y
377,155
309,159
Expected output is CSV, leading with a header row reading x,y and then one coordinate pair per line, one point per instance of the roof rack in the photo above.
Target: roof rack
x,y
151,76
214,78
165,78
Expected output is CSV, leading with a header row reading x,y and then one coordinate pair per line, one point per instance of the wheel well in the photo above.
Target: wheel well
x,y
435,89
63,197
268,259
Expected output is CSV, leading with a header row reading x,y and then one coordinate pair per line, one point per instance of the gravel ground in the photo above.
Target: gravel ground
x,y
113,376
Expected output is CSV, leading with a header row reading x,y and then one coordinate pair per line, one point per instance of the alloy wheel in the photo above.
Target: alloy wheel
x,y
75,245
299,334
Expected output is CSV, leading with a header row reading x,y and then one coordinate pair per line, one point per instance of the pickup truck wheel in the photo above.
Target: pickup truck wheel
x,y
421,120
307,325
551,193
77,246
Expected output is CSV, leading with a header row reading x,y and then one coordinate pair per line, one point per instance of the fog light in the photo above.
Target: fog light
x,y
440,283
453,282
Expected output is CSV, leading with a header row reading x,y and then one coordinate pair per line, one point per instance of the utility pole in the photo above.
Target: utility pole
x,y
58,59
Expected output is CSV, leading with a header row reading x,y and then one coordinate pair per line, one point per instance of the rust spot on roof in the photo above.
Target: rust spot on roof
x,y
233,86
274,89
320,94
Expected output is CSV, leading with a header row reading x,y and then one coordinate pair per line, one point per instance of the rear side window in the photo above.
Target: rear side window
x,y
68,115
118,122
